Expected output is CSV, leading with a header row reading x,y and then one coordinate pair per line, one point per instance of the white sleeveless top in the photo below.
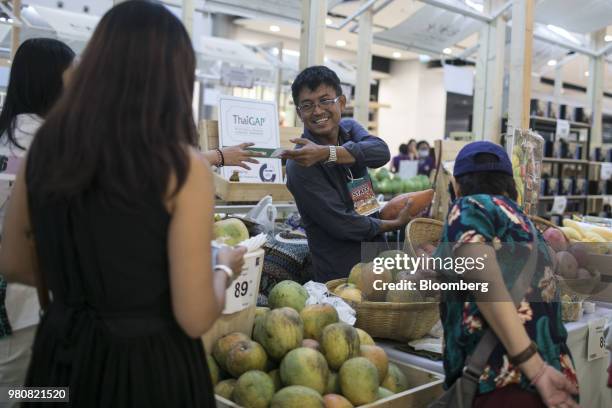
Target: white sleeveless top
x,y
21,301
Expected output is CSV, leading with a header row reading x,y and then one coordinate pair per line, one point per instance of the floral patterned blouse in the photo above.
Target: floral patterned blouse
x,y
497,219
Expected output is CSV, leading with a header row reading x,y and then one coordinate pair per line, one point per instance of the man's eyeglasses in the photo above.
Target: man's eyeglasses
x,y
308,107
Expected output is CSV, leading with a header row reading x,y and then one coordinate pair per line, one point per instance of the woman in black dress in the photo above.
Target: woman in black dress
x,y
120,206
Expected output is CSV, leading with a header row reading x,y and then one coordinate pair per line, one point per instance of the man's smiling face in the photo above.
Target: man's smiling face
x,y
319,109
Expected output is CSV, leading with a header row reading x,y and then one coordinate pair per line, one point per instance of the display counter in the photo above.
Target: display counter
x,y
592,375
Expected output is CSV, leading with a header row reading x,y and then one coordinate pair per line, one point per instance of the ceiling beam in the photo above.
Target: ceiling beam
x,y
362,9
458,9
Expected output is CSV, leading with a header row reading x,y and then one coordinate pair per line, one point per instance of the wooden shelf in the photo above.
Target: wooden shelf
x,y
599,197
570,197
554,121
566,161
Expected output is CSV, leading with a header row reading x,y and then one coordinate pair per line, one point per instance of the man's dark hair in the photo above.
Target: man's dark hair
x,y
312,78
487,182
403,149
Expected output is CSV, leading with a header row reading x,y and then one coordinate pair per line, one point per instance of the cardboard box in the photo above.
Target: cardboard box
x,y
425,387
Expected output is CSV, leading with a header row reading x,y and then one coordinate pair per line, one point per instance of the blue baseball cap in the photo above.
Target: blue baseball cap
x,y
465,163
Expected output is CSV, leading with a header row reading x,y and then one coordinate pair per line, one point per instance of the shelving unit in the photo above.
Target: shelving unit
x,y
373,119
566,161
561,166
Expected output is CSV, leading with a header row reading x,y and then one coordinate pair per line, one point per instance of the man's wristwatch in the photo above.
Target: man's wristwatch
x,y
332,155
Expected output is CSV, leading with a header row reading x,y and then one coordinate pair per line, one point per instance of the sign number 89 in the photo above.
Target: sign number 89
x,y
241,289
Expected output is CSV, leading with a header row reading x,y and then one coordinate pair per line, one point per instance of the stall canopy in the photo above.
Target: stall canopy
x,y
585,16
74,29
290,66
430,29
232,63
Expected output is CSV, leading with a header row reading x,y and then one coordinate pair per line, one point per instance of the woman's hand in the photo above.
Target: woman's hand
x,y
555,389
232,257
239,155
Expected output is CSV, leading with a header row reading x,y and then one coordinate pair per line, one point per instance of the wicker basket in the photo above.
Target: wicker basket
x,y
395,321
541,224
422,231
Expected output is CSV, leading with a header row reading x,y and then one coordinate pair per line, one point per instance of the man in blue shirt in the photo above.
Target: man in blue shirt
x,y
329,155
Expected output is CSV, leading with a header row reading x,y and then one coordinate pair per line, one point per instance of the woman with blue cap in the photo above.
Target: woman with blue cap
x,y
530,364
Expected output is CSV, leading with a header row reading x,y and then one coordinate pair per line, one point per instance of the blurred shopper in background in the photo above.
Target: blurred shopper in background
x,y
426,159
40,69
413,154
403,155
118,206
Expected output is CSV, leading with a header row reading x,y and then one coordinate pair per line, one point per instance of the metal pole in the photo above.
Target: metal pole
x,y
566,45
558,84
364,68
458,9
364,7
595,88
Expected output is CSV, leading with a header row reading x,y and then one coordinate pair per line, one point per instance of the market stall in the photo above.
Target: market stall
x,y
403,325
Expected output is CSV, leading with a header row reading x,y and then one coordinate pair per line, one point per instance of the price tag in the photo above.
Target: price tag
x,y
559,205
596,346
242,293
563,129
606,171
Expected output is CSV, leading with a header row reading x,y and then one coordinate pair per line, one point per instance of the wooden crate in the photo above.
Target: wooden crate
x,y
425,386
446,150
240,191
243,320
249,192
209,135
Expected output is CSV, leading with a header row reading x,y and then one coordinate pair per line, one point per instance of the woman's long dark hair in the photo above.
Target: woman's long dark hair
x,y
35,83
125,122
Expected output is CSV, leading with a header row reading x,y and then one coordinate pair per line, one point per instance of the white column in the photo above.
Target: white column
x,y
558,91
595,87
364,68
520,63
312,35
187,16
489,81
15,31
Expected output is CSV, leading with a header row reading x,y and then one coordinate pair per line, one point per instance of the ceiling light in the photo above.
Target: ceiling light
x,y
397,54
341,43
586,73
608,38
563,33
292,53
329,21
275,51
424,58
552,63
10,20
447,51
474,5
274,28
